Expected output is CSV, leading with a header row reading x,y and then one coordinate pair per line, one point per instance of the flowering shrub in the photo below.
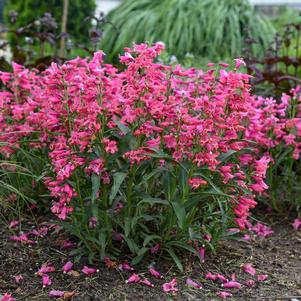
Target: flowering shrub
x,y
150,159
276,127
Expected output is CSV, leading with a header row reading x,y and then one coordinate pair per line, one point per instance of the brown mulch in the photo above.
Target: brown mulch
x,y
278,256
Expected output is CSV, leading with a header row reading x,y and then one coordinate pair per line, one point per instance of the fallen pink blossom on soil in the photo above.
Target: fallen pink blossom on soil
x,y
248,268
155,273
45,269
67,267
224,295
250,283
231,284
18,278
89,271
13,224
296,224
7,297
210,276
134,278
221,278
125,267
190,282
262,230
56,294
46,280
202,254
262,277
146,282
170,286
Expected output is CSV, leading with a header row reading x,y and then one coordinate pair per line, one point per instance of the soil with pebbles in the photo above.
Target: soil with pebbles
x,y
278,256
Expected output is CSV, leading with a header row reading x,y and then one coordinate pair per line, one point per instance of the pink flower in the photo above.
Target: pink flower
x,y
155,273
224,295
202,254
92,222
210,276
18,278
155,249
208,237
146,282
170,286
56,294
221,278
134,278
262,277
7,297
297,224
190,282
125,267
46,280
67,267
231,284
248,268
250,283
89,271
45,269
13,224
239,62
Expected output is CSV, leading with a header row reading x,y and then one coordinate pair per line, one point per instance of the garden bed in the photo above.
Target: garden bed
x,y
278,256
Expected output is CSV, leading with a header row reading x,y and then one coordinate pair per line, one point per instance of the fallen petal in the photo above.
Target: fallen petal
x,y
232,284
56,294
248,268
262,277
190,282
133,278
224,295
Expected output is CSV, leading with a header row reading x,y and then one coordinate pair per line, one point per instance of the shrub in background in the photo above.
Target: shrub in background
x,y
276,126
212,28
150,159
28,10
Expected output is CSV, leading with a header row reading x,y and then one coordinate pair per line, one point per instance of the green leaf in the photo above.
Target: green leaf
x,y
175,258
153,201
140,256
118,179
179,210
95,186
149,238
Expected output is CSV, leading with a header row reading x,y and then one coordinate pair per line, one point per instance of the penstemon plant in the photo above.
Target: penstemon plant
x,y
152,159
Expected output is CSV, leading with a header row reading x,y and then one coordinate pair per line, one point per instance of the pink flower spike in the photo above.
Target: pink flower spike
x,y
7,297
146,282
125,267
13,224
18,278
231,284
89,271
239,62
67,267
224,295
262,277
46,280
134,278
210,276
221,278
250,283
55,294
190,282
248,268
202,253
155,273
170,286
296,224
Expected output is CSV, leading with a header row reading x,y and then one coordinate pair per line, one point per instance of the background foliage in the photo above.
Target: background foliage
x,y
207,28
29,10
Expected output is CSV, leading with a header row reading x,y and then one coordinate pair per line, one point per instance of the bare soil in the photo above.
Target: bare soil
x,y
278,256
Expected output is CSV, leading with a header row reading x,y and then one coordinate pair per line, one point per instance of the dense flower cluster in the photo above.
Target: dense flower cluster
x,y
108,132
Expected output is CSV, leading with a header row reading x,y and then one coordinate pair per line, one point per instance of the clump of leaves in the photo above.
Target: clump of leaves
x,y
278,71
208,28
